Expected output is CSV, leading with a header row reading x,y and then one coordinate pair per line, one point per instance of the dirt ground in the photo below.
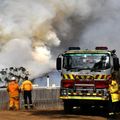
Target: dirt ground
x,y
48,115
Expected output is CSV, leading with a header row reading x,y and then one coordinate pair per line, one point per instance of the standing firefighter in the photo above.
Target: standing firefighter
x,y
26,87
13,90
114,95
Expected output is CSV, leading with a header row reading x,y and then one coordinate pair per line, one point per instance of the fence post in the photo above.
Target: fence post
x,y
48,81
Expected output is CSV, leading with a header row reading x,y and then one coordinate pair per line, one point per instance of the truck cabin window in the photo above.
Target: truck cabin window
x,y
86,61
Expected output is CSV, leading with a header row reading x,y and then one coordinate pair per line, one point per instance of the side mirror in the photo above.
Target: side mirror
x,y
116,64
58,64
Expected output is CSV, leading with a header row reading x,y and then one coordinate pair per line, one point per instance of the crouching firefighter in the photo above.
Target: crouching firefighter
x,y
14,91
114,95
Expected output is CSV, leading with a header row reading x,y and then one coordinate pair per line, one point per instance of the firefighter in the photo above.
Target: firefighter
x,y
14,91
102,64
114,95
26,87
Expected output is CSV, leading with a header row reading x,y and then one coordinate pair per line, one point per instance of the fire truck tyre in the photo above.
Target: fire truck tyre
x,y
84,108
67,107
103,108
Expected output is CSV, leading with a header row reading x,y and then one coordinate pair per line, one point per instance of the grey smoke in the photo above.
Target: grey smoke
x,y
33,33
104,28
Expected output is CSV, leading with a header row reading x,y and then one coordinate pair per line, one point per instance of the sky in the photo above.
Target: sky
x,y
34,32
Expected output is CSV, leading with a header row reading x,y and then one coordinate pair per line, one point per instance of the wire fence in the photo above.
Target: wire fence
x,y
43,98
3,99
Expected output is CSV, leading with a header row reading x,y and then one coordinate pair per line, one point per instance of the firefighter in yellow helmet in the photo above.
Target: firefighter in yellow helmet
x,y
14,91
114,95
26,87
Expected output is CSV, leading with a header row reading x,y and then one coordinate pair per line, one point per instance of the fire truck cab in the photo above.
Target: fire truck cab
x,y
85,75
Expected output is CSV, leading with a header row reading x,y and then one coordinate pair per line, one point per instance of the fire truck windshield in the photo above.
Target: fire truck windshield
x,y
85,61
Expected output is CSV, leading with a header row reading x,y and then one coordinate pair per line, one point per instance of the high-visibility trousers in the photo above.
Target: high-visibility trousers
x,y
14,103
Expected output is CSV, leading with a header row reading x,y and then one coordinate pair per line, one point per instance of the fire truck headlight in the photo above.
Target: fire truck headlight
x,y
64,92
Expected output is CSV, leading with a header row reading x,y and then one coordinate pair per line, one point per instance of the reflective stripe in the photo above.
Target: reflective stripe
x,y
103,76
26,105
84,97
68,76
87,85
71,76
65,76
89,77
77,77
31,105
98,76
111,113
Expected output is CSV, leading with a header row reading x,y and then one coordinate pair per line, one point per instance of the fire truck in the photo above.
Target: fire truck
x,y
83,84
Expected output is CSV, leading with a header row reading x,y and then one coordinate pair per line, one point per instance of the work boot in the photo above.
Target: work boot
x,y
16,109
111,113
26,107
111,116
11,108
31,107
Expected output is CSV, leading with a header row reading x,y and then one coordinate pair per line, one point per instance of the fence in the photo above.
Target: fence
x,y
43,98
3,99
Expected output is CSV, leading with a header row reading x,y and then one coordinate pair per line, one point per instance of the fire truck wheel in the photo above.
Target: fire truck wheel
x,y
67,107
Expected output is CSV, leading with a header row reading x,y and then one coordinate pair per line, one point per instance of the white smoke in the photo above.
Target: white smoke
x,y
25,33
32,33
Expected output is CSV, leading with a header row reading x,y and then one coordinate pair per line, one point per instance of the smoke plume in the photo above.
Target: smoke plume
x,y
33,33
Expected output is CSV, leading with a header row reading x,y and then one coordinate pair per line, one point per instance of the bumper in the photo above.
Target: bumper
x,y
83,98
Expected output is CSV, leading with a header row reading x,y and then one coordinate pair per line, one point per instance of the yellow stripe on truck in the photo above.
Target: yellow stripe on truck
x,y
100,77
83,98
71,76
68,76
79,77
65,76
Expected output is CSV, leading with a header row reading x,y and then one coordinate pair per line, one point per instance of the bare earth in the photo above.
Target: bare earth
x,y
47,115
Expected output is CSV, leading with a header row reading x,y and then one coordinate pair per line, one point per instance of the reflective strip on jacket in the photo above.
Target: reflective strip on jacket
x,y
26,85
13,89
113,89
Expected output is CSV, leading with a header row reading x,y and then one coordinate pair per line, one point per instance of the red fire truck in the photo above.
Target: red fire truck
x,y
82,82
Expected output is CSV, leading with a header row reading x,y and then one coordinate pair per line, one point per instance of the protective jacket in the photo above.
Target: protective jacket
x,y
13,89
114,91
26,85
